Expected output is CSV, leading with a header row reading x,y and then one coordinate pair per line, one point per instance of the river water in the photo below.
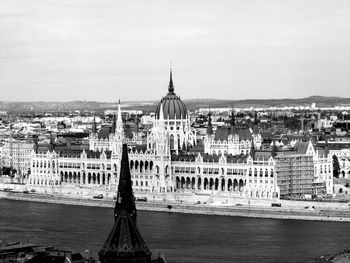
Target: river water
x,y
180,237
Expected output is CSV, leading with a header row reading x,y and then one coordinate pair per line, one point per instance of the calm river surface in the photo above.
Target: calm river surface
x,y
180,237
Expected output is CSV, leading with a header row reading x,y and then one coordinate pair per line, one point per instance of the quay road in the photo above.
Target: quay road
x,y
307,213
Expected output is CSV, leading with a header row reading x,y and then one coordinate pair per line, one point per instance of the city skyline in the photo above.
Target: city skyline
x,y
105,50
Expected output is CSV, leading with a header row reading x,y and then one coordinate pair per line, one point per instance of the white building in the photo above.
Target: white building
x,y
160,166
17,155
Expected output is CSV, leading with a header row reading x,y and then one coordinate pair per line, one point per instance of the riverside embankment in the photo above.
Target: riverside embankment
x,y
289,210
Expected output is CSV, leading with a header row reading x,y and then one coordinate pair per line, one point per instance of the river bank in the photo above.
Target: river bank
x,y
286,211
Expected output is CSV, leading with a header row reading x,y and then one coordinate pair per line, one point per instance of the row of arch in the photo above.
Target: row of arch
x,y
44,164
215,184
265,194
83,178
323,168
39,181
139,183
219,152
47,164
141,166
262,173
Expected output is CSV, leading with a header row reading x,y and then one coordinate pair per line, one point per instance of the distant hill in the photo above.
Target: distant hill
x,y
319,100
192,104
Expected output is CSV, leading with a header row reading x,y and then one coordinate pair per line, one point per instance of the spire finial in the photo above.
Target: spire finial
x,y
171,84
94,130
119,117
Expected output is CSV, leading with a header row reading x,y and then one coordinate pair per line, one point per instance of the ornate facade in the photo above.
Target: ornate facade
x,y
171,123
239,176
231,139
160,166
110,138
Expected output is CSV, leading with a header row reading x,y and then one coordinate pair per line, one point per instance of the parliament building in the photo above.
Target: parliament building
x,y
165,163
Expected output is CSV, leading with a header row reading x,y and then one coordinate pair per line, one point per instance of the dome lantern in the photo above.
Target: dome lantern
x,y
173,107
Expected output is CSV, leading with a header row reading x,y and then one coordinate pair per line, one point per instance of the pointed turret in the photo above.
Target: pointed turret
x,y
256,121
119,118
36,145
233,120
94,129
124,243
256,117
252,151
171,84
210,127
51,144
114,124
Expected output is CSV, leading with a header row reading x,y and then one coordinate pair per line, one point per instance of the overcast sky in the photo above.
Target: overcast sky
x,y
108,49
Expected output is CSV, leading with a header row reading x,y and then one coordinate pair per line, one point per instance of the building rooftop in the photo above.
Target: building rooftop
x,y
222,133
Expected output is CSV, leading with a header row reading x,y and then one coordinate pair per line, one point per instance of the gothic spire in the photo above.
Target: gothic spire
x,y
124,243
233,120
36,145
119,118
256,117
256,121
51,144
210,127
94,130
125,197
171,84
113,123
252,150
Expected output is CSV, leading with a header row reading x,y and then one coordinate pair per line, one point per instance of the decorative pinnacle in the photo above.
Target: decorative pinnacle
x,y
119,116
171,84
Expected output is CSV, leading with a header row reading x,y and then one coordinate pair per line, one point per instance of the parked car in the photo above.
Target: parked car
x,y
141,199
98,196
26,192
276,205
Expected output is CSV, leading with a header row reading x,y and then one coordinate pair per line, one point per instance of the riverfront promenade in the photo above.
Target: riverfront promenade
x,y
300,210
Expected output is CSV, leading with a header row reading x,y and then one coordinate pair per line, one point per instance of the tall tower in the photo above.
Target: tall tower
x,y
124,243
125,196
176,120
117,138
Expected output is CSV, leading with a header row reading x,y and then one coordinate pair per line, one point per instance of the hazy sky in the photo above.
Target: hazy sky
x,y
108,49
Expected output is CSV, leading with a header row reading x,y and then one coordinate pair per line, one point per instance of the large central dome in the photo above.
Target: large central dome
x,y
173,107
